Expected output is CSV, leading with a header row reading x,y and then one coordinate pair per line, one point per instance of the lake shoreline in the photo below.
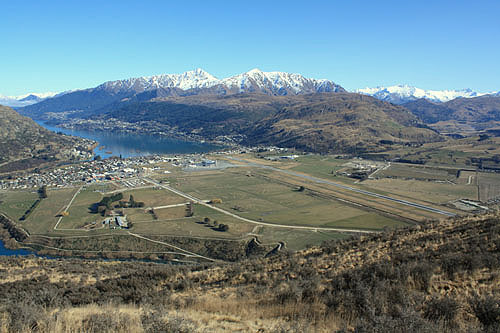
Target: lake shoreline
x,y
128,143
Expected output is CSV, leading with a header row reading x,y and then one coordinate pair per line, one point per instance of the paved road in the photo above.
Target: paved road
x,y
204,203
349,188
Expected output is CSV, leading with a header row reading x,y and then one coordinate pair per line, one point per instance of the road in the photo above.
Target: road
x,y
204,203
171,206
67,207
188,253
345,187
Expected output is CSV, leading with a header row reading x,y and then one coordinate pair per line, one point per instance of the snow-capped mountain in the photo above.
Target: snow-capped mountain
x,y
401,94
185,81
255,80
197,82
26,99
278,83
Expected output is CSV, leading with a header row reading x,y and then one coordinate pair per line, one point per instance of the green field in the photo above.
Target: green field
x,y
260,199
407,171
260,195
15,203
428,191
79,212
81,215
43,219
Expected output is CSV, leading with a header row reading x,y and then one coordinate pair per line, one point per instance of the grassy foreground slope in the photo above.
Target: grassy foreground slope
x,y
440,276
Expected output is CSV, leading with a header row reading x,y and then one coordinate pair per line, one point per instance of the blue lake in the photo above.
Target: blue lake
x,y
130,144
7,252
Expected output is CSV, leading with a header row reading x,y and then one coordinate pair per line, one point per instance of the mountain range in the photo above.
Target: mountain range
x,y
401,94
196,82
275,108
199,82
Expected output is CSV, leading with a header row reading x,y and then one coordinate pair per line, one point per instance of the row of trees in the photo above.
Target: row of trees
x,y
42,194
131,203
216,225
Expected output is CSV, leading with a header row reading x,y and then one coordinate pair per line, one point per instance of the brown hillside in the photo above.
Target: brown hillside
x,y
341,122
25,144
461,115
437,277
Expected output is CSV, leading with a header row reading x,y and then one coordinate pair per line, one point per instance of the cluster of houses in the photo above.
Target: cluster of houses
x,y
116,222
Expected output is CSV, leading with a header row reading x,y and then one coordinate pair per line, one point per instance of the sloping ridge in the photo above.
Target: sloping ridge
x,y
29,144
471,110
441,276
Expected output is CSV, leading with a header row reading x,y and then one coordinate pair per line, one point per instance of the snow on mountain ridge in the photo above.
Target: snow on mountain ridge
x,y
197,78
253,80
400,94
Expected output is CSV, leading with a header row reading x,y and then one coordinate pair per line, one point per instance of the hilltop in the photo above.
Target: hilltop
x,y
438,276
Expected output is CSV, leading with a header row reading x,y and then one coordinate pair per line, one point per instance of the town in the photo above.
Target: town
x,y
114,168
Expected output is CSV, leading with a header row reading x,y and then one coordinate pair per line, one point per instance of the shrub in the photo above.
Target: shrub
x,y
153,321
441,308
106,322
487,311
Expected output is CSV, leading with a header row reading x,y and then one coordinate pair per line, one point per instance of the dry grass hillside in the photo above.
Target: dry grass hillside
x,y
439,276
460,115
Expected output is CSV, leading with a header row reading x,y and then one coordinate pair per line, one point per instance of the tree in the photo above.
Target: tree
x,y
42,192
223,227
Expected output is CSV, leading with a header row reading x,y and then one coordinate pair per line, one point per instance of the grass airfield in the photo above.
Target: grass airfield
x,y
254,202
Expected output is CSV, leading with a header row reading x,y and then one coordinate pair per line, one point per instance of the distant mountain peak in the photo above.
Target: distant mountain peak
x,y
25,99
254,71
403,93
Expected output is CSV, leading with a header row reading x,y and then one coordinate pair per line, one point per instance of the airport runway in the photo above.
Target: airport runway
x,y
345,187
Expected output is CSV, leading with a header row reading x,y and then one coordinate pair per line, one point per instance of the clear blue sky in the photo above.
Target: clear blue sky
x,y
60,45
